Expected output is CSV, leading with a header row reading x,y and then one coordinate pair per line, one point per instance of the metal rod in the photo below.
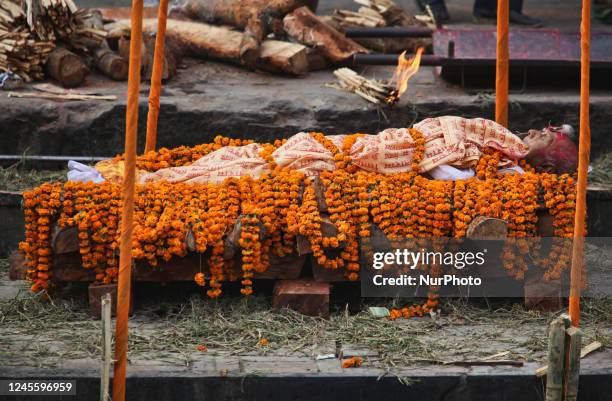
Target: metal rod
x,y
433,60
46,158
389,32
391,59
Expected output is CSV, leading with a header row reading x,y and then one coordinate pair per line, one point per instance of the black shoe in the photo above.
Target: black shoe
x,y
522,19
438,9
485,13
515,17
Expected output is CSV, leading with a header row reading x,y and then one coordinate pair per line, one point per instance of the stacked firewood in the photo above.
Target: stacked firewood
x,y
372,90
21,52
281,36
378,13
47,18
53,38
382,13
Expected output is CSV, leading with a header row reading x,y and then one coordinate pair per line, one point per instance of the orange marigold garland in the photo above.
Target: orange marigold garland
x,y
281,204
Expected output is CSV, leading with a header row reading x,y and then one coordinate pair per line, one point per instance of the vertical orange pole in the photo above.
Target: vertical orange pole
x,y
156,76
502,63
129,178
584,149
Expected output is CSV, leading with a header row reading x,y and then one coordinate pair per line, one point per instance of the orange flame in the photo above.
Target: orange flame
x,y
405,69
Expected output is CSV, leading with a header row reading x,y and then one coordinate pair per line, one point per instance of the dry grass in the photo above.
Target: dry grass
x,y
602,170
46,332
15,178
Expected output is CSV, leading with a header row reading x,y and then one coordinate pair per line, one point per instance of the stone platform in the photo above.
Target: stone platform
x,y
208,98
288,378
415,359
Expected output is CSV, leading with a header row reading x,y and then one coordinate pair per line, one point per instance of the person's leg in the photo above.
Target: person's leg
x,y
490,6
438,8
485,8
516,5
488,9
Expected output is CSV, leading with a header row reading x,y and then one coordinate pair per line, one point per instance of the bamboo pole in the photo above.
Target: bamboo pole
x,y
502,63
156,76
584,149
556,360
106,347
125,254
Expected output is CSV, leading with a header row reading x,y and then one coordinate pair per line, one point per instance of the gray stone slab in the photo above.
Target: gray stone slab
x,y
208,99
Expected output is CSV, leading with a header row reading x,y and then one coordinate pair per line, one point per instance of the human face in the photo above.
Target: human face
x,y
539,139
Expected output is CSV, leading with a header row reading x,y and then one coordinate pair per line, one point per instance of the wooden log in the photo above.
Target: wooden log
x,y
317,60
231,247
482,227
328,229
17,266
305,27
123,45
110,64
256,17
277,56
104,59
307,297
96,292
66,67
556,360
393,13
221,43
117,13
64,240
378,240
172,56
320,194
573,340
544,225
67,268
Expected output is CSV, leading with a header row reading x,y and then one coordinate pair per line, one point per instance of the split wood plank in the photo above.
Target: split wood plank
x,y
592,347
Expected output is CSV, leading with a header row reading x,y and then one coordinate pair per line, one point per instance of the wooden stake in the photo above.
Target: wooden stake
x,y
573,339
556,360
106,347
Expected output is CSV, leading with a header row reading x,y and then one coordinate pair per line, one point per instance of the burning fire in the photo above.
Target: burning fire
x,y
406,68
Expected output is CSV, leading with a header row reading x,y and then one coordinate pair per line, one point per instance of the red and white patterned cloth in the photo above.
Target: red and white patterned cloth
x,y
451,141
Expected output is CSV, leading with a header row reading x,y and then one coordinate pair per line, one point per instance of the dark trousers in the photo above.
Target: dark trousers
x,y
491,5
